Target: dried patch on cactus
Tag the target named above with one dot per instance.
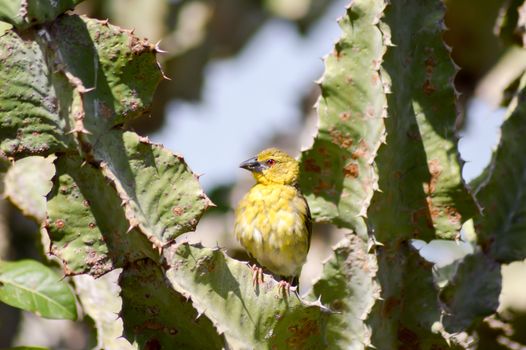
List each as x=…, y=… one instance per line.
x=59, y=224
x=345, y=116
x=322, y=186
x=361, y=151
x=342, y=139
x=428, y=87
x=311, y=166
x=301, y=332
x=178, y=211
x=453, y=215
x=351, y=170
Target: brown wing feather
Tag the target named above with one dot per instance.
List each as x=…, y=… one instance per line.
x=308, y=221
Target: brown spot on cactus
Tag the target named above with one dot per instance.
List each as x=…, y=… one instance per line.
x=177, y=211
x=311, y=166
x=434, y=211
x=361, y=151
x=430, y=62
x=323, y=151
x=345, y=116
x=351, y=170
x=453, y=215
x=337, y=51
x=301, y=333
x=139, y=46
x=428, y=87
x=92, y=225
x=341, y=139
x=321, y=186
x=435, y=169
x=59, y=224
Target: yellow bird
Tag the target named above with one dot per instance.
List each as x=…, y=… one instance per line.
x=273, y=221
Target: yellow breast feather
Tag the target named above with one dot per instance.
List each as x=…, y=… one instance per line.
x=273, y=220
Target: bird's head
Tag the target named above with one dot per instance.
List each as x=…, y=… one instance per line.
x=273, y=166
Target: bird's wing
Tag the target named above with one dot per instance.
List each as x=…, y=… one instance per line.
x=308, y=222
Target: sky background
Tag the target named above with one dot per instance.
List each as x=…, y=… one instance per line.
x=247, y=99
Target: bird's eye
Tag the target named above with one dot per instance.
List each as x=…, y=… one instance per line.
x=270, y=162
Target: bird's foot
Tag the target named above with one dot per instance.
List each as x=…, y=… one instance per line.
x=257, y=275
x=284, y=288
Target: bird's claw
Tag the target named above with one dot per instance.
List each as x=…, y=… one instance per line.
x=284, y=288
x=257, y=275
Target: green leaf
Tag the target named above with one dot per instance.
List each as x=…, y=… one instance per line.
x=27, y=183
x=29, y=285
x=157, y=317
x=25, y=13
x=338, y=177
x=255, y=317
x=501, y=229
x=86, y=223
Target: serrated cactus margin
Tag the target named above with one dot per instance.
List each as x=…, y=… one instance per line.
x=23, y=14
x=250, y=317
x=351, y=110
x=161, y=196
x=500, y=230
x=419, y=167
x=500, y=189
x=156, y=316
x=422, y=194
x=348, y=288
x=351, y=128
x=86, y=223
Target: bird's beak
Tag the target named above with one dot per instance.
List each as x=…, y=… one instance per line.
x=252, y=164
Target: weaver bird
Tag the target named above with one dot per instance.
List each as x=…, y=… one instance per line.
x=273, y=221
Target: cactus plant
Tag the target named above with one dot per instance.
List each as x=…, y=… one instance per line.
x=384, y=166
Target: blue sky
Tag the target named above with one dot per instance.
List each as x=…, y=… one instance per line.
x=249, y=98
